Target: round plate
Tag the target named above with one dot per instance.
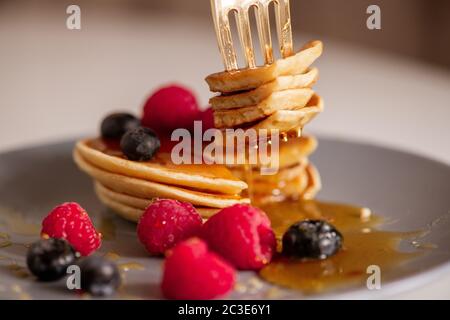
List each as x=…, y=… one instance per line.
x=409, y=190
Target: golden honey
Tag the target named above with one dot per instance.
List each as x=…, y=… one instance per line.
x=163, y=158
x=364, y=245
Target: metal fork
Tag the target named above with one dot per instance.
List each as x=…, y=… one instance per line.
x=221, y=11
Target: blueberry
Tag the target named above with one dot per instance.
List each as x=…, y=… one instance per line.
x=116, y=125
x=140, y=144
x=99, y=276
x=313, y=239
x=48, y=259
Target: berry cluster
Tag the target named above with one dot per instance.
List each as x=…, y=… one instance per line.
x=236, y=237
x=68, y=234
x=167, y=109
x=201, y=259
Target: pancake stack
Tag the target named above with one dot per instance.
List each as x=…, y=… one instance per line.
x=128, y=187
x=274, y=97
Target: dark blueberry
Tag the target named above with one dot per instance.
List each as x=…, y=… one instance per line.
x=99, y=276
x=313, y=239
x=48, y=259
x=140, y=144
x=116, y=125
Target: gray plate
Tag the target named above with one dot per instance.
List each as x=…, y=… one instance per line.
x=412, y=191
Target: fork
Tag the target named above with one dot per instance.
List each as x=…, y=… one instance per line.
x=221, y=12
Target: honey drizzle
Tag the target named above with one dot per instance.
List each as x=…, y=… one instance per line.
x=364, y=245
x=4, y=240
x=131, y=266
x=248, y=173
x=107, y=228
x=16, y=223
x=111, y=255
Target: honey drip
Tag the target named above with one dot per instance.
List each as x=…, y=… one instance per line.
x=364, y=245
x=107, y=228
x=248, y=172
x=4, y=240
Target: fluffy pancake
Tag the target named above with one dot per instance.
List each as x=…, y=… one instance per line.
x=256, y=96
x=304, y=187
x=291, y=153
x=149, y=190
x=247, y=79
x=294, y=187
x=131, y=208
x=126, y=212
x=216, y=178
x=284, y=174
x=290, y=120
x=314, y=183
x=295, y=150
x=135, y=202
x=281, y=100
x=283, y=121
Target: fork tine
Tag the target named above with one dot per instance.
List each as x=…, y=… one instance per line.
x=220, y=12
x=265, y=38
x=229, y=54
x=245, y=36
x=223, y=33
x=283, y=19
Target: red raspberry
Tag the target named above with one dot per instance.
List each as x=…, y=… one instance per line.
x=71, y=222
x=207, y=119
x=191, y=272
x=167, y=222
x=170, y=108
x=241, y=234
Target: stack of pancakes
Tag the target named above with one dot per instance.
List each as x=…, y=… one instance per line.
x=128, y=187
x=274, y=97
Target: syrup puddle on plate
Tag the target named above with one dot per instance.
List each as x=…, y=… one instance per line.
x=5, y=240
x=113, y=256
x=364, y=245
x=18, y=271
x=107, y=228
x=130, y=266
x=16, y=223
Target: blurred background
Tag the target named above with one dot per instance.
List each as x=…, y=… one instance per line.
x=388, y=86
x=416, y=28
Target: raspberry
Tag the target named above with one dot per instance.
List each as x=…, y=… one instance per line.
x=191, y=272
x=71, y=222
x=170, y=108
x=241, y=234
x=207, y=119
x=167, y=222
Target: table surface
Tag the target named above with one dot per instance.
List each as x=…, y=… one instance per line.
x=57, y=84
